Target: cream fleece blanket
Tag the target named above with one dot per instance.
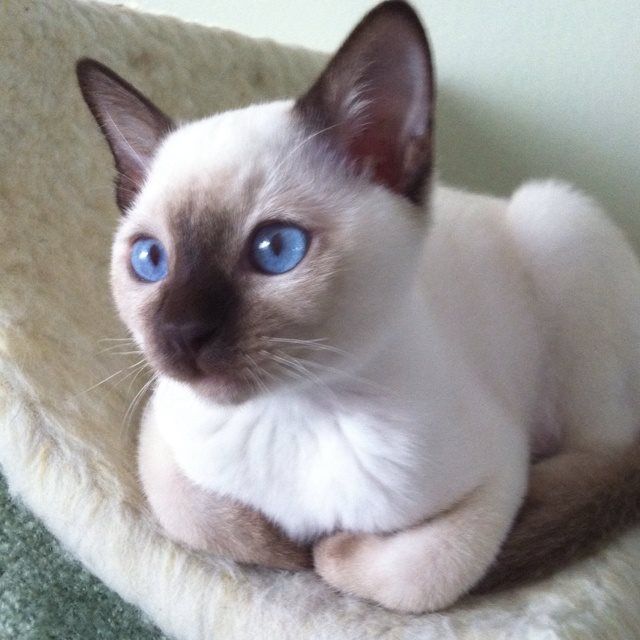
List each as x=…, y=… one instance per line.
x=66, y=446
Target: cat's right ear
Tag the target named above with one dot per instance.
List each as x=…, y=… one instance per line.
x=131, y=123
x=374, y=102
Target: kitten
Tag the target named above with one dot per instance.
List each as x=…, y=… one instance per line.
x=354, y=358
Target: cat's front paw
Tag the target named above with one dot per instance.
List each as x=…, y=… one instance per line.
x=351, y=564
x=338, y=560
x=386, y=569
x=335, y=555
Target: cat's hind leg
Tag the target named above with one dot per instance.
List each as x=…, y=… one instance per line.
x=431, y=565
x=205, y=521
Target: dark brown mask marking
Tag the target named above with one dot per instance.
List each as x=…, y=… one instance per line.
x=194, y=322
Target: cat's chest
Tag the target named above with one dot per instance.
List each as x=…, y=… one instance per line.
x=308, y=468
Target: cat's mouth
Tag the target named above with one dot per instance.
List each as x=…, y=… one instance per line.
x=226, y=372
x=224, y=386
x=222, y=378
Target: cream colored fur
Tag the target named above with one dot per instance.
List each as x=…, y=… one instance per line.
x=65, y=449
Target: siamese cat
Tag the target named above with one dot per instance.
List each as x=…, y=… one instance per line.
x=358, y=366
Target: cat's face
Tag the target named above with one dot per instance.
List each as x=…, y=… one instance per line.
x=273, y=245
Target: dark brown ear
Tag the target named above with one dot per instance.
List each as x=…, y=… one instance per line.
x=374, y=102
x=132, y=125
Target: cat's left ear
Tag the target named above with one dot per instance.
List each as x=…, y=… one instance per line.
x=374, y=102
x=131, y=123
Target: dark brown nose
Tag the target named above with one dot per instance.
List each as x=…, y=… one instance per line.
x=187, y=339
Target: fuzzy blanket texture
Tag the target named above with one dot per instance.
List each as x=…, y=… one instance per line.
x=67, y=443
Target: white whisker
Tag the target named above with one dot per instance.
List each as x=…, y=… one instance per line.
x=304, y=373
x=134, y=403
x=317, y=343
x=113, y=375
x=143, y=367
x=111, y=352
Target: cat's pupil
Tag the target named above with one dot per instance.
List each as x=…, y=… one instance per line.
x=154, y=254
x=276, y=243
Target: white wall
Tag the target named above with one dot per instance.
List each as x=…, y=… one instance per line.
x=527, y=89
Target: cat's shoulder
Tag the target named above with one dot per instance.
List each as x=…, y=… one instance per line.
x=448, y=202
x=532, y=199
x=551, y=212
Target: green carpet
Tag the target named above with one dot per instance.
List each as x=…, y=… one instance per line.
x=46, y=595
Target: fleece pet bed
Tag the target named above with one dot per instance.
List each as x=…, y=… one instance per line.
x=67, y=443
x=46, y=594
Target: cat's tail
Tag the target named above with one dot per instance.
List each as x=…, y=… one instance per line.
x=569, y=523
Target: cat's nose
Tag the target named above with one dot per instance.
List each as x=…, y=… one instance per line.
x=187, y=339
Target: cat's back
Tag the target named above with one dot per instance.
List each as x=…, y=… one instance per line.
x=479, y=292
x=547, y=232
x=586, y=280
x=541, y=287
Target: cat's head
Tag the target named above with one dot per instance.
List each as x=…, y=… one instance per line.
x=275, y=244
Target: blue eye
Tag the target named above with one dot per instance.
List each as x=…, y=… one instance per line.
x=278, y=248
x=149, y=259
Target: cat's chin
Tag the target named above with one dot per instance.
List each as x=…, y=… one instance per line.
x=222, y=389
